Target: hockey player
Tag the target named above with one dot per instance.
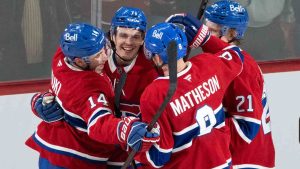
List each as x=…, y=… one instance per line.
x=245, y=101
x=189, y=138
x=89, y=133
x=127, y=34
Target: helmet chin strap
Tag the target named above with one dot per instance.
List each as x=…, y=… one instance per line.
x=126, y=62
x=123, y=59
x=232, y=40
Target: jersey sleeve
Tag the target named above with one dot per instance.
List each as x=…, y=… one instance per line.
x=96, y=111
x=160, y=153
x=244, y=100
x=101, y=122
x=214, y=45
x=227, y=63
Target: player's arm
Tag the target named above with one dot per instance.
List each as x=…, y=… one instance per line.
x=104, y=127
x=198, y=34
x=101, y=123
x=245, y=105
x=245, y=120
x=159, y=154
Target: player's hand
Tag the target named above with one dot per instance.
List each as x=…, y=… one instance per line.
x=47, y=108
x=135, y=134
x=197, y=33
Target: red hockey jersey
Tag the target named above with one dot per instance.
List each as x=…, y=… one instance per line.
x=188, y=126
x=140, y=73
x=246, y=106
x=86, y=138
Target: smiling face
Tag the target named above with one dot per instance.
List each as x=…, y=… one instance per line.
x=127, y=42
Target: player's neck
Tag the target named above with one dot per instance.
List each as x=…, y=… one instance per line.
x=181, y=65
x=121, y=61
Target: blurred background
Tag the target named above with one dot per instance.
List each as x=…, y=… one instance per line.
x=30, y=29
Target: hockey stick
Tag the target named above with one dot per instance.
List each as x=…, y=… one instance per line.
x=118, y=91
x=201, y=9
x=172, y=65
x=199, y=16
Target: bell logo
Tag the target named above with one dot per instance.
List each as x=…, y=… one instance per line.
x=69, y=37
x=239, y=8
x=157, y=35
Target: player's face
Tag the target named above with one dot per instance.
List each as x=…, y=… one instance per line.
x=128, y=42
x=98, y=60
x=215, y=30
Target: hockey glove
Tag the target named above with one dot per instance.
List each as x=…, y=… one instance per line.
x=47, y=108
x=135, y=135
x=197, y=33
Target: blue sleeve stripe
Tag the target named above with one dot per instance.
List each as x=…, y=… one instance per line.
x=76, y=122
x=80, y=124
x=239, y=52
x=220, y=116
x=98, y=112
x=246, y=129
x=158, y=158
x=180, y=140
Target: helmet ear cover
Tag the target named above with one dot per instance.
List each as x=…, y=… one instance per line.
x=230, y=15
x=81, y=40
x=159, y=36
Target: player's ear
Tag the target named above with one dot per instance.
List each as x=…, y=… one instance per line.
x=232, y=33
x=79, y=62
x=157, y=60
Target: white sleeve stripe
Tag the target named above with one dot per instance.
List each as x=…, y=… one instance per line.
x=161, y=149
x=241, y=166
x=185, y=146
x=64, y=149
x=249, y=119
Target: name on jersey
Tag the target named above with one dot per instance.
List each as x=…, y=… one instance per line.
x=195, y=96
x=55, y=84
